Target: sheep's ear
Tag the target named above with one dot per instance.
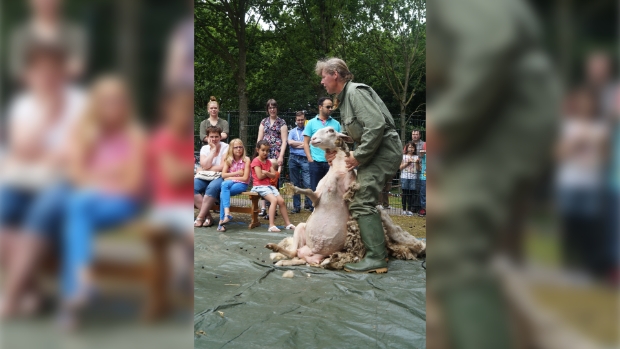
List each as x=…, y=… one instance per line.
x=345, y=138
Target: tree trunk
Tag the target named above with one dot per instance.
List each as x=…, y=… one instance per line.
x=242, y=92
x=127, y=54
x=403, y=121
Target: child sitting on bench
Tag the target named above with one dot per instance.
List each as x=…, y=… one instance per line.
x=262, y=172
x=236, y=175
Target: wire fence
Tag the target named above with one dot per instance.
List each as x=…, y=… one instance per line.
x=391, y=196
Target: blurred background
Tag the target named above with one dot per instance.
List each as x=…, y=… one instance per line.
x=522, y=126
x=96, y=108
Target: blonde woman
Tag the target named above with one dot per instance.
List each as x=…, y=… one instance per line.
x=236, y=174
x=107, y=169
x=213, y=108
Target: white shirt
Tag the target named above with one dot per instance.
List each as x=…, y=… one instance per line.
x=26, y=113
x=205, y=150
x=409, y=171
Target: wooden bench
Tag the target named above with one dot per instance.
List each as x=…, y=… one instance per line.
x=253, y=210
x=152, y=272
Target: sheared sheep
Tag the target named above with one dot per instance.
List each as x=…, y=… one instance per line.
x=323, y=236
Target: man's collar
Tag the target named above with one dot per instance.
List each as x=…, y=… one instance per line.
x=340, y=96
x=318, y=116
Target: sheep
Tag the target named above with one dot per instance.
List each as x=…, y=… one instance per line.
x=330, y=243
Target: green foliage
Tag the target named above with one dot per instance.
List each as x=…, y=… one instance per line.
x=285, y=38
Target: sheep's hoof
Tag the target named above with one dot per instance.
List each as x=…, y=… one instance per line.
x=273, y=247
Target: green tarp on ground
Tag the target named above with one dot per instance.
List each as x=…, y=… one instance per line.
x=241, y=299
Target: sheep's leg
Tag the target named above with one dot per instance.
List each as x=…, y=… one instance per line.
x=310, y=194
x=298, y=240
x=292, y=262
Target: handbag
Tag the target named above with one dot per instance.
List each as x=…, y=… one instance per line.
x=208, y=175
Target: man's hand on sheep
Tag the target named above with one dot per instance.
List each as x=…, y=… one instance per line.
x=330, y=155
x=350, y=161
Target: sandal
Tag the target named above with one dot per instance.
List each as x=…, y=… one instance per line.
x=290, y=226
x=208, y=222
x=273, y=229
x=226, y=219
x=198, y=222
x=221, y=228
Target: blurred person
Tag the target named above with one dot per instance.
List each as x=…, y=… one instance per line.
x=377, y=156
x=180, y=61
x=47, y=25
x=206, y=192
x=171, y=160
x=298, y=162
x=262, y=172
x=422, y=181
x=273, y=129
x=419, y=144
x=236, y=175
x=33, y=184
x=213, y=108
x=108, y=171
x=491, y=121
x=599, y=80
x=317, y=164
x=581, y=156
x=408, y=173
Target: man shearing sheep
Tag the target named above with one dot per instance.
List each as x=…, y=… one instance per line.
x=377, y=157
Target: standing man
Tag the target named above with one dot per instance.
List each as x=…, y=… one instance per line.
x=377, y=157
x=419, y=145
x=298, y=162
x=316, y=157
x=481, y=167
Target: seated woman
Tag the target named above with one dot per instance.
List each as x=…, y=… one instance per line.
x=107, y=170
x=262, y=172
x=236, y=175
x=205, y=192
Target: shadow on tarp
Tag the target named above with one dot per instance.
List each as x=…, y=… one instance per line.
x=241, y=299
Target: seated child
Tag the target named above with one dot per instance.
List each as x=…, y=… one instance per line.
x=262, y=172
x=236, y=175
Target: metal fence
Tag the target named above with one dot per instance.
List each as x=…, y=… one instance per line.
x=394, y=195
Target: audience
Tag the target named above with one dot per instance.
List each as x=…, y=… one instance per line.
x=408, y=174
x=273, y=130
x=34, y=186
x=206, y=192
x=213, y=108
x=262, y=172
x=298, y=162
x=236, y=175
x=171, y=160
x=107, y=167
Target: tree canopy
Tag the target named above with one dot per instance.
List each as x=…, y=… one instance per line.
x=248, y=51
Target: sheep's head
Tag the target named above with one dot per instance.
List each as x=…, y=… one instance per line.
x=328, y=139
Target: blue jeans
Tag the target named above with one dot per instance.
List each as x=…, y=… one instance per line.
x=89, y=212
x=318, y=170
x=228, y=189
x=300, y=176
x=423, y=193
x=211, y=188
x=40, y=213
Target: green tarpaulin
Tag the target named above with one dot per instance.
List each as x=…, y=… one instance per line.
x=241, y=299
